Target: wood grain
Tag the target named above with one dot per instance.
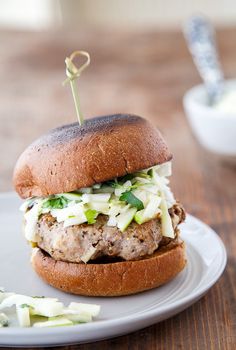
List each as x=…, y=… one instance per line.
x=145, y=73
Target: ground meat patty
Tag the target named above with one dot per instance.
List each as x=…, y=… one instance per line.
x=87, y=242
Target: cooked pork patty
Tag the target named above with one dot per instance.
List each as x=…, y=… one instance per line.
x=80, y=243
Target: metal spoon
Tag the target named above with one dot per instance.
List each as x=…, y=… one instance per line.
x=200, y=37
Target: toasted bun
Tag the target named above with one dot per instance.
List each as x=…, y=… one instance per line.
x=73, y=156
x=112, y=279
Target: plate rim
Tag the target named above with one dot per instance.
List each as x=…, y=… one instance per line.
x=124, y=320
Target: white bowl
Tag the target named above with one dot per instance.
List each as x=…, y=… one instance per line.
x=215, y=130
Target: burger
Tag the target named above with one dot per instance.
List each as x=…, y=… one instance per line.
x=98, y=209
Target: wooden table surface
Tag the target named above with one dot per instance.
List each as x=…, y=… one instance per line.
x=145, y=73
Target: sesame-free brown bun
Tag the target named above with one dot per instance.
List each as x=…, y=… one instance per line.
x=73, y=156
x=112, y=279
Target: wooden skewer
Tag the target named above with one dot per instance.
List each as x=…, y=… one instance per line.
x=73, y=73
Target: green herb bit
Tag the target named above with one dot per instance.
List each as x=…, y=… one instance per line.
x=150, y=172
x=112, y=183
x=25, y=305
x=131, y=199
x=55, y=203
x=125, y=178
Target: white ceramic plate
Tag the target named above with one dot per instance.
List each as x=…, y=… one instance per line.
x=206, y=262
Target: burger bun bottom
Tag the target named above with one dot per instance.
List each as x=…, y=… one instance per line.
x=113, y=278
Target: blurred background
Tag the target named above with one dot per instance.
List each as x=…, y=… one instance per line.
x=44, y=14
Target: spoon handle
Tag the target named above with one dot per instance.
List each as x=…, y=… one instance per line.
x=200, y=38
